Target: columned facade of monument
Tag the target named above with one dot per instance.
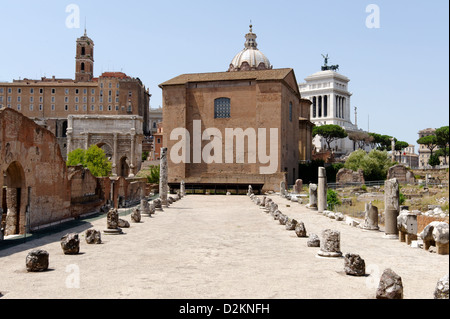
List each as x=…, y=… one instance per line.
x=119, y=136
x=330, y=105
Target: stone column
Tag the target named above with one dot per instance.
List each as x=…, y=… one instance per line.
x=392, y=208
x=69, y=141
x=163, y=180
x=282, y=188
x=114, y=157
x=322, y=191
x=86, y=141
x=313, y=196
x=132, y=155
x=182, y=189
x=298, y=186
x=330, y=244
x=371, y=219
x=12, y=213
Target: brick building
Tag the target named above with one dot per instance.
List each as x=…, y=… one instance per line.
x=50, y=101
x=258, y=107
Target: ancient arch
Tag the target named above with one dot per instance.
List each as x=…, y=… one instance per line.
x=124, y=167
x=33, y=175
x=109, y=152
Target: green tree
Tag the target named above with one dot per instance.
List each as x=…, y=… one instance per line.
x=330, y=133
x=332, y=199
x=434, y=160
x=93, y=159
x=360, y=138
x=442, y=141
x=153, y=176
x=429, y=141
x=374, y=164
x=76, y=157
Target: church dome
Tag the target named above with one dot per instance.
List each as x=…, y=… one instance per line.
x=250, y=58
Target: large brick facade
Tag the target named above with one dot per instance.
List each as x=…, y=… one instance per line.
x=264, y=99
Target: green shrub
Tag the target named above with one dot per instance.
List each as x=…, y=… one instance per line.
x=332, y=199
x=153, y=176
x=93, y=159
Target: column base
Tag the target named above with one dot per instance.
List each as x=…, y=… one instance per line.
x=117, y=231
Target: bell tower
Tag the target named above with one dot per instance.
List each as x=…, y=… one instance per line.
x=84, y=68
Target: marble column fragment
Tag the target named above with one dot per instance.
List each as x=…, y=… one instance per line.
x=330, y=244
x=182, y=189
x=322, y=191
x=371, y=219
x=392, y=207
x=313, y=196
x=163, y=180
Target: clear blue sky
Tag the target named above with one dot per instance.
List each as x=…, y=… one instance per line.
x=399, y=72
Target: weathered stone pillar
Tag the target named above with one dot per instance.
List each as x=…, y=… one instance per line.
x=282, y=188
x=114, y=157
x=163, y=180
x=112, y=223
x=298, y=186
x=12, y=212
x=392, y=208
x=313, y=196
x=330, y=244
x=371, y=219
x=322, y=191
x=182, y=189
x=86, y=141
x=132, y=155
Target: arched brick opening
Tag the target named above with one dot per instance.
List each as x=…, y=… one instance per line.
x=14, y=200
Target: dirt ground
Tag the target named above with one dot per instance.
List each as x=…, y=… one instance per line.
x=217, y=247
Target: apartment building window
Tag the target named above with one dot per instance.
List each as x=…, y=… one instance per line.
x=19, y=91
x=77, y=99
x=53, y=107
x=18, y=99
x=85, y=91
x=76, y=107
x=19, y=107
x=31, y=99
x=109, y=108
x=41, y=99
x=53, y=91
x=222, y=108
x=9, y=90
x=41, y=91
x=31, y=107
x=67, y=91
x=66, y=107
x=1, y=90
x=93, y=99
x=100, y=107
x=53, y=99
x=92, y=107
x=66, y=99
x=41, y=107
x=31, y=91
x=117, y=107
x=93, y=91
x=1, y=99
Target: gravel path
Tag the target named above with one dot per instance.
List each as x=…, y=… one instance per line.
x=217, y=247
